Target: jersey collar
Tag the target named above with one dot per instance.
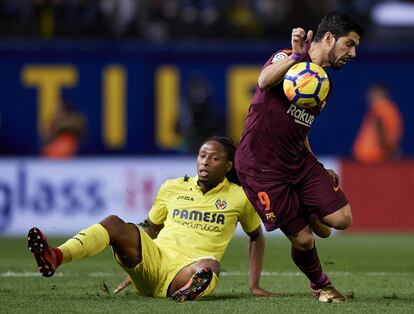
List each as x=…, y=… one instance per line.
x=193, y=181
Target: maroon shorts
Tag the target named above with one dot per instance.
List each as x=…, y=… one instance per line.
x=287, y=205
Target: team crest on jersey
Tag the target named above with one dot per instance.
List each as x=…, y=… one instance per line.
x=221, y=204
x=279, y=57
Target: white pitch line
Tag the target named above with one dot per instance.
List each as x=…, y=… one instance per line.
x=333, y=273
x=12, y=274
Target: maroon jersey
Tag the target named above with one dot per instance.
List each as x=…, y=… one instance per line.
x=273, y=141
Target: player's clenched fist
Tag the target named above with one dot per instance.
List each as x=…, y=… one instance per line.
x=300, y=43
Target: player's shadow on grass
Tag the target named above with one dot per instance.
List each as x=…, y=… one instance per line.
x=388, y=299
x=229, y=296
x=233, y=296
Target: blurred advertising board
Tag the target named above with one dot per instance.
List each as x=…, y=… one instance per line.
x=381, y=196
x=63, y=197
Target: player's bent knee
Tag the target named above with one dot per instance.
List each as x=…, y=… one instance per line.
x=306, y=245
x=188, y=271
x=113, y=224
x=303, y=240
x=112, y=220
x=210, y=263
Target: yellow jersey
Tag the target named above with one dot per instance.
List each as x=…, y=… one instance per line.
x=200, y=225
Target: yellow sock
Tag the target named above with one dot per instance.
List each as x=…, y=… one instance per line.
x=87, y=242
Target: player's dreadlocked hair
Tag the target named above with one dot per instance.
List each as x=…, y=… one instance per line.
x=230, y=149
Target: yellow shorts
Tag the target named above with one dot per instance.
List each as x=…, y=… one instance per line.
x=159, y=266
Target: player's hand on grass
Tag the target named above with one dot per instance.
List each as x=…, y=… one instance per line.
x=123, y=285
x=259, y=292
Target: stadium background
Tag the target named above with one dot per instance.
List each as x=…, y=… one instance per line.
x=128, y=66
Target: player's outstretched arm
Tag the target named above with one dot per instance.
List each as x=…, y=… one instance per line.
x=274, y=73
x=256, y=253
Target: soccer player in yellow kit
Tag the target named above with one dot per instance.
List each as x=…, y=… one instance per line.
x=192, y=221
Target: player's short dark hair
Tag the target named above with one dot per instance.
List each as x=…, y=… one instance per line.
x=339, y=24
x=230, y=149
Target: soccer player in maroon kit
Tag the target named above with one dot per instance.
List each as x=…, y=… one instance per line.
x=280, y=175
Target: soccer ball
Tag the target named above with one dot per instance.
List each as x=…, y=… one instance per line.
x=306, y=84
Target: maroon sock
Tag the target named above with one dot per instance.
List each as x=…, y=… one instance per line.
x=308, y=263
x=59, y=256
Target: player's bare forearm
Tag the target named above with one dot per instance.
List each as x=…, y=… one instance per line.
x=150, y=228
x=274, y=73
x=256, y=253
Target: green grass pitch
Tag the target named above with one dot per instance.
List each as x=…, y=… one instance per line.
x=375, y=271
